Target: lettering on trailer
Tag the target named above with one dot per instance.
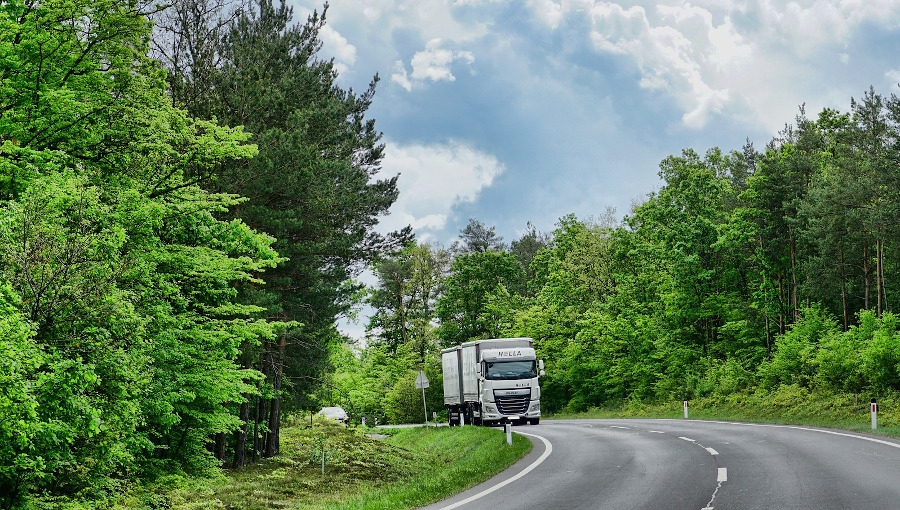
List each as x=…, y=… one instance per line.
x=509, y=354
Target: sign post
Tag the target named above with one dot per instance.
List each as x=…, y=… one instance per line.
x=422, y=382
x=874, y=414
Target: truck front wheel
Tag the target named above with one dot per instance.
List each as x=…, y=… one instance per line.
x=535, y=421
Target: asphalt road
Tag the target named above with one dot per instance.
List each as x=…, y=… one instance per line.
x=692, y=465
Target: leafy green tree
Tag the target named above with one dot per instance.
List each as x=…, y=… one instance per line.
x=114, y=258
x=473, y=277
x=774, y=195
x=404, y=299
x=26, y=438
x=526, y=247
x=683, y=221
x=315, y=184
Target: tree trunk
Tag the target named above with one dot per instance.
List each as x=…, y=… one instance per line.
x=273, y=445
x=878, y=273
x=844, y=292
x=257, y=437
x=866, y=276
x=220, y=447
x=794, y=292
x=882, y=284
x=782, y=302
x=240, y=437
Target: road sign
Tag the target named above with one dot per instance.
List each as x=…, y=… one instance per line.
x=421, y=381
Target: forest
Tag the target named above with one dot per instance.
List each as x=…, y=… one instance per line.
x=188, y=198
x=185, y=195
x=747, y=271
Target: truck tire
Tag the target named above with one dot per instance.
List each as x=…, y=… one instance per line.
x=470, y=415
x=535, y=421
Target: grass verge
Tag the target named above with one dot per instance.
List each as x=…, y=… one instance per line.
x=786, y=405
x=410, y=468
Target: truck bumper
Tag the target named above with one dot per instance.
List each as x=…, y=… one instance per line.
x=490, y=413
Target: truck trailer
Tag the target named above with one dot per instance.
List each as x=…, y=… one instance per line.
x=492, y=381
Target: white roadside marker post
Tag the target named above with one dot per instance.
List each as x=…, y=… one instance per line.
x=508, y=427
x=685, y=409
x=874, y=414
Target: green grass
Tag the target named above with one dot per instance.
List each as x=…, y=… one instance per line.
x=788, y=405
x=411, y=468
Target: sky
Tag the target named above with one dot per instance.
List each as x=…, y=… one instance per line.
x=518, y=111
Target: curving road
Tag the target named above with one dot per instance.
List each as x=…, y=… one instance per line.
x=692, y=465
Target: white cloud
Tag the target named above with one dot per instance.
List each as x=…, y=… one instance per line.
x=675, y=54
x=432, y=64
x=893, y=76
x=716, y=57
x=429, y=18
x=400, y=76
x=433, y=179
x=548, y=11
x=337, y=46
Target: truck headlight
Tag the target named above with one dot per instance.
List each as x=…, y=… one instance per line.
x=535, y=407
x=488, y=408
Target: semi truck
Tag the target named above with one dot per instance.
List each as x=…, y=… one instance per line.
x=492, y=381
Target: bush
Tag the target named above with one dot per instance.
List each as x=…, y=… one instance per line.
x=403, y=402
x=794, y=357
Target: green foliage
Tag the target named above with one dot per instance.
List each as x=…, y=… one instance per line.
x=718, y=377
x=403, y=401
x=118, y=280
x=24, y=436
x=404, y=299
x=794, y=360
x=474, y=276
x=379, y=384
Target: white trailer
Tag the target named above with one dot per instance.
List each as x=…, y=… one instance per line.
x=492, y=381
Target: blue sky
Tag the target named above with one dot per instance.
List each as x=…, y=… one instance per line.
x=512, y=111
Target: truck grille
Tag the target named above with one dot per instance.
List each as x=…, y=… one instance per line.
x=513, y=404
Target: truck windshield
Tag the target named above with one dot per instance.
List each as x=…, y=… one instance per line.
x=511, y=370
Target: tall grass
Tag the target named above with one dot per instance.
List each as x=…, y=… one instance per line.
x=409, y=468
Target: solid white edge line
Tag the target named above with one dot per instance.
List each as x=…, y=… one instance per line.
x=843, y=434
x=548, y=448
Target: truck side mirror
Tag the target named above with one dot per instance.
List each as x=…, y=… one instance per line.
x=541, y=367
